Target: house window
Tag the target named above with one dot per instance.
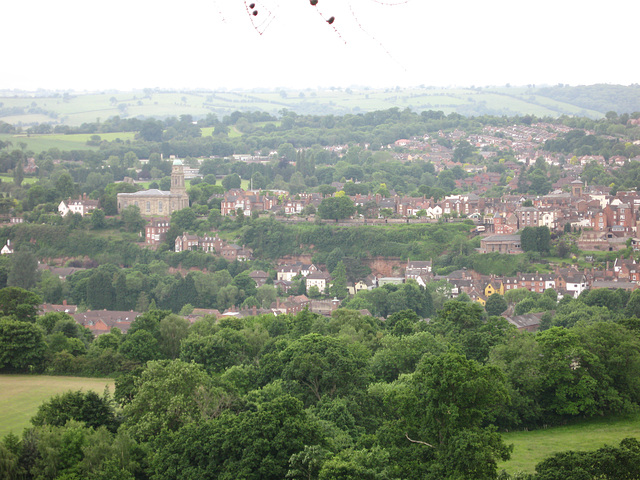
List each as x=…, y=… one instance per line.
x=148, y=206
x=160, y=206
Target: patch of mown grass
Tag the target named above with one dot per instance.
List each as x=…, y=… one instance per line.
x=21, y=395
x=531, y=447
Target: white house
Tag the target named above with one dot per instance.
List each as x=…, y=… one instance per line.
x=7, y=249
x=81, y=205
x=63, y=209
x=318, y=279
x=434, y=212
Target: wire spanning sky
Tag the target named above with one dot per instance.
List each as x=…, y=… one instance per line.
x=79, y=45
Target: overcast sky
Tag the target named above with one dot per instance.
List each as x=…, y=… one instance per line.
x=125, y=44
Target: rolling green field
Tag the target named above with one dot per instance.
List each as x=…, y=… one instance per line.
x=9, y=179
x=41, y=143
x=532, y=447
x=233, y=132
x=21, y=395
x=91, y=107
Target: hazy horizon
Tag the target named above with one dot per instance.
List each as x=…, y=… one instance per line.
x=381, y=44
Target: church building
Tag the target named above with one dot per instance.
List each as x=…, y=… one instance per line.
x=159, y=202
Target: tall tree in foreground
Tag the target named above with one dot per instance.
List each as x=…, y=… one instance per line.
x=448, y=405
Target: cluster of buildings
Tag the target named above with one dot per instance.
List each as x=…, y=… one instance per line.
x=253, y=201
x=81, y=205
x=159, y=202
x=313, y=276
x=214, y=245
x=570, y=281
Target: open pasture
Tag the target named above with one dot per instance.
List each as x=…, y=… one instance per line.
x=21, y=395
x=531, y=447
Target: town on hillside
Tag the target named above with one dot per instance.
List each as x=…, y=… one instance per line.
x=380, y=295
x=539, y=187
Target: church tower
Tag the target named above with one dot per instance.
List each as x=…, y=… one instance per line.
x=577, y=188
x=177, y=178
x=179, y=196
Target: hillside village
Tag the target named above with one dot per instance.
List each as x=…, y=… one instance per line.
x=606, y=220
x=343, y=277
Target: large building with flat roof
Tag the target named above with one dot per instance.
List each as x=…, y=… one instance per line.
x=159, y=202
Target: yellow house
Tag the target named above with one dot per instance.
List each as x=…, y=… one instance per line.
x=495, y=287
x=355, y=288
x=475, y=296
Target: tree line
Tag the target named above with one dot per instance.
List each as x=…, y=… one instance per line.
x=306, y=396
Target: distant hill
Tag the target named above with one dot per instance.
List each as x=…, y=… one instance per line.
x=603, y=98
x=70, y=108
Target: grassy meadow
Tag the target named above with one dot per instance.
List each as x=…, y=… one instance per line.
x=530, y=448
x=8, y=178
x=90, y=107
x=41, y=143
x=21, y=395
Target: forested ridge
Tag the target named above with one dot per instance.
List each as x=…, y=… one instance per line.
x=306, y=396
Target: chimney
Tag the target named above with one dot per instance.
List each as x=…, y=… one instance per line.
x=254, y=310
x=64, y=302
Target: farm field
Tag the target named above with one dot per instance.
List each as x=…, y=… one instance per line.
x=530, y=448
x=8, y=178
x=41, y=143
x=91, y=107
x=21, y=395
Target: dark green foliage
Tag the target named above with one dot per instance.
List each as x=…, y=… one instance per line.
x=607, y=463
x=76, y=451
x=255, y=444
x=535, y=239
x=496, y=304
x=464, y=324
x=23, y=273
x=231, y=181
x=215, y=352
x=132, y=219
x=98, y=219
x=169, y=394
x=398, y=355
x=149, y=321
x=587, y=370
x=353, y=464
x=323, y=366
x=613, y=300
x=100, y=291
x=338, y=288
x=447, y=404
x=22, y=346
x=390, y=299
x=336, y=208
x=140, y=346
x=19, y=303
x=89, y=408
